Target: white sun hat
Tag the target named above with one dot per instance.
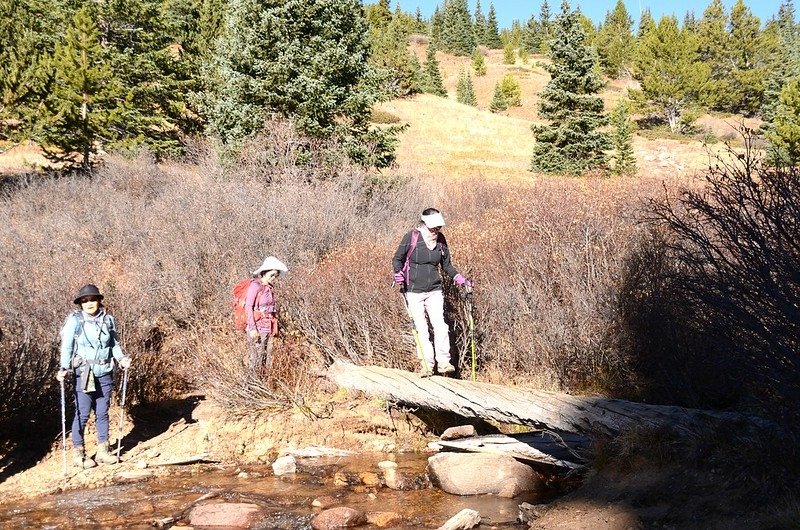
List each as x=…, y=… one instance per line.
x=271, y=264
x=433, y=220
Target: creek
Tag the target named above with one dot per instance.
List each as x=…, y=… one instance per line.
x=285, y=502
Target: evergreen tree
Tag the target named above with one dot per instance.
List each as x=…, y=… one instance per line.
x=431, y=74
x=690, y=23
x=532, y=35
x=492, y=35
x=390, y=56
x=456, y=37
x=714, y=50
x=211, y=24
x=379, y=14
x=573, y=142
x=749, y=55
x=139, y=39
x=785, y=134
x=479, y=28
x=437, y=26
x=478, y=63
x=27, y=38
x=508, y=54
x=545, y=23
x=511, y=91
x=419, y=23
x=615, y=43
x=646, y=23
x=622, y=140
x=84, y=108
x=499, y=102
x=669, y=71
x=781, y=35
x=303, y=59
x=465, y=93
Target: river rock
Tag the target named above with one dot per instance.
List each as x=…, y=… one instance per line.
x=230, y=514
x=383, y=519
x=463, y=520
x=326, y=501
x=369, y=478
x=341, y=517
x=454, y=433
x=284, y=465
x=479, y=474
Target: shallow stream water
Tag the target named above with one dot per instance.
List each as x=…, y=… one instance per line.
x=285, y=502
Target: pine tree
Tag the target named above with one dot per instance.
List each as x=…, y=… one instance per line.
x=478, y=63
x=508, y=54
x=622, y=140
x=492, y=35
x=669, y=71
x=545, y=24
x=714, y=50
x=84, y=108
x=26, y=40
x=615, y=41
x=532, y=35
x=499, y=102
x=391, y=57
x=465, y=93
x=306, y=60
x=479, y=27
x=379, y=14
x=419, y=23
x=456, y=37
x=690, y=23
x=139, y=38
x=785, y=135
x=781, y=35
x=749, y=55
x=437, y=27
x=646, y=23
x=573, y=142
x=512, y=92
x=211, y=24
x=432, y=75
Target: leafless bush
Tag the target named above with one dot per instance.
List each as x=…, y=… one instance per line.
x=166, y=243
x=727, y=263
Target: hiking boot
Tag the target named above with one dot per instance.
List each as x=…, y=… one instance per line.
x=104, y=456
x=79, y=459
x=424, y=372
x=447, y=368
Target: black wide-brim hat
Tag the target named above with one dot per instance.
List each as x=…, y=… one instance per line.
x=88, y=290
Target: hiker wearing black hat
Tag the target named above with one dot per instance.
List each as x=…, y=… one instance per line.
x=416, y=269
x=89, y=346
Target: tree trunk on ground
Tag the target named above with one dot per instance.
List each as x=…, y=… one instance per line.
x=524, y=406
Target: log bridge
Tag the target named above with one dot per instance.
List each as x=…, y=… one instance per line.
x=538, y=409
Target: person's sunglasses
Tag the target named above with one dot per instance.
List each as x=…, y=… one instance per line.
x=90, y=299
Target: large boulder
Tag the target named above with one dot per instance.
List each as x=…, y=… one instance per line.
x=482, y=473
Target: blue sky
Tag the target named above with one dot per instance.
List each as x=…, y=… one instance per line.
x=508, y=10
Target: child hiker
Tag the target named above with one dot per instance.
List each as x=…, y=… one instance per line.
x=416, y=269
x=89, y=346
x=259, y=306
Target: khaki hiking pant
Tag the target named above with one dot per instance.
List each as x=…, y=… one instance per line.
x=431, y=303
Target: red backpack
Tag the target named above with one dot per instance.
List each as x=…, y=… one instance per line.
x=239, y=297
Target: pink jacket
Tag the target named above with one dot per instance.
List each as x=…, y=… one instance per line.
x=259, y=303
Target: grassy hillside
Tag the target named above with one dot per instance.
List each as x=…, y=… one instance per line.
x=447, y=139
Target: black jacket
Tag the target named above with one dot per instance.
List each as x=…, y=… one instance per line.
x=423, y=264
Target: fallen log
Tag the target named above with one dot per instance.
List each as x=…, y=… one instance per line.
x=540, y=447
x=538, y=409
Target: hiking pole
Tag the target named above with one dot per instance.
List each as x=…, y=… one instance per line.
x=64, y=426
x=417, y=342
x=471, y=321
x=122, y=410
